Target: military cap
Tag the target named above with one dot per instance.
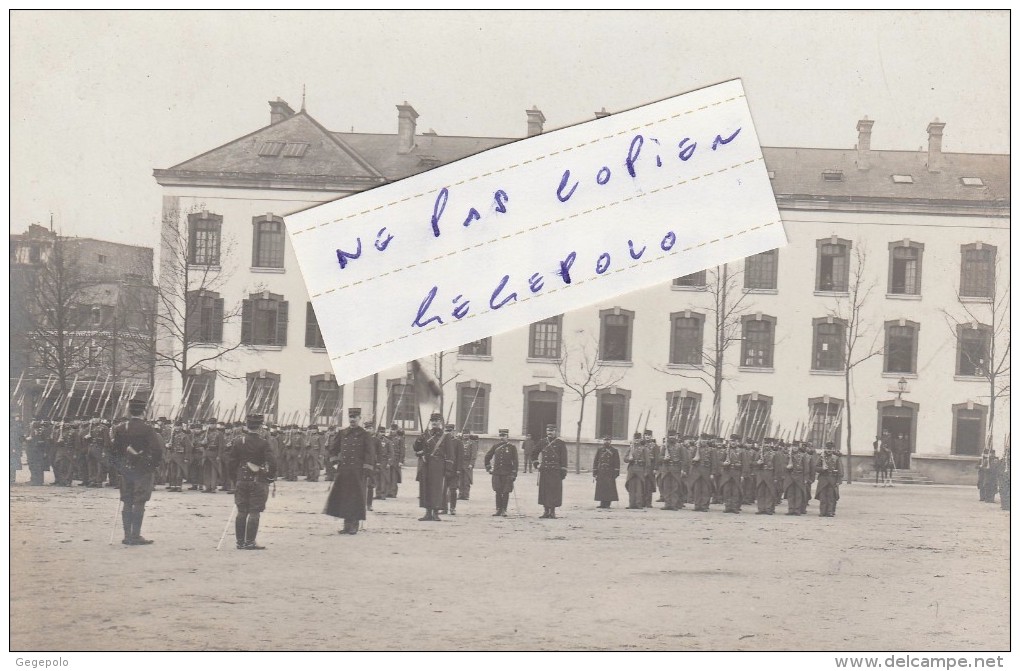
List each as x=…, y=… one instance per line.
x=504, y=432
x=473, y=436
x=254, y=421
x=162, y=420
x=637, y=435
x=368, y=425
x=734, y=436
x=354, y=412
x=436, y=417
x=393, y=426
x=830, y=444
x=136, y=405
x=550, y=427
x=211, y=420
x=648, y=433
x=450, y=427
x=313, y=427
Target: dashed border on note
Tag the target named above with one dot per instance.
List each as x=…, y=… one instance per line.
x=519, y=164
x=576, y=283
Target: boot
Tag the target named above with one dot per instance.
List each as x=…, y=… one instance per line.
x=427, y=517
x=240, y=523
x=552, y=513
x=435, y=515
x=353, y=529
x=251, y=531
x=136, y=528
x=453, y=503
x=125, y=516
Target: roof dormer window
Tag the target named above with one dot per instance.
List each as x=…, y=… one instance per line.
x=832, y=175
x=902, y=179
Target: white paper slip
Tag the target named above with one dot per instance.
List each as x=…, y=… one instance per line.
x=536, y=228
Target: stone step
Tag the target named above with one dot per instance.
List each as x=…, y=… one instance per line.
x=910, y=477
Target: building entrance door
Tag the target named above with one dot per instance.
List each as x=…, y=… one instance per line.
x=900, y=423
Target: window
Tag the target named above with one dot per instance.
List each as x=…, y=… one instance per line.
x=825, y=420
x=683, y=412
x=902, y=179
x=327, y=399
x=93, y=354
x=833, y=264
x=199, y=394
x=830, y=336
x=901, y=347
x=402, y=404
x=204, y=317
x=972, y=181
x=760, y=270
x=544, y=342
x=263, y=396
x=473, y=407
x=313, y=336
x=295, y=149
x=614, y=342
x=611, y=410
x=481, y=347
x=977, y=270
x=269, y=148
x=102, y=258
x=204, y=239
x=693, y=280
x=969, y=428
x=686, y=338
x=832, y=175
x=34, y=253
x=758, y=341
x=267, y=249
x=96, y=316
x=905, y=267
x=264, y=320
x=972, y=345
x=754, y=415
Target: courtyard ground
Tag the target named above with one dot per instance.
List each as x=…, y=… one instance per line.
x=903, y=568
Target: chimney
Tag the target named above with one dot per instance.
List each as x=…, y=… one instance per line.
x=405, y=128
x=864, y=143
x=601, y=115
x=279, y=110
x=535, y=121
x=935, y=145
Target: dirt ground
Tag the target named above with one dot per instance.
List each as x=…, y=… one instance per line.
x=903, y=568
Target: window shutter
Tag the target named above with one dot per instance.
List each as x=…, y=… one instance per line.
x=281, y=323
x=246, y=317
x=310, y=326
x=192, y=317
x=217, y=325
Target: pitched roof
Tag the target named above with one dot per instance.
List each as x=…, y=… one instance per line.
x=800, y=172
x=428, y=151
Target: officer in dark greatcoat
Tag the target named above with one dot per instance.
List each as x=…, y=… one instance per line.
x=436, y=456
x=136, y=454
x=352, y=452
x=605, y=468
x=253, y=462
x=501, y=462
x=550, y=460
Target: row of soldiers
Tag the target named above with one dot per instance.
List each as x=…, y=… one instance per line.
x=75, y=450
x=994, y=477
x=736, y=472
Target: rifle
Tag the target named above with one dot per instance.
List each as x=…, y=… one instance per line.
x=18, y=385
x=637, y=427
x=467, y=420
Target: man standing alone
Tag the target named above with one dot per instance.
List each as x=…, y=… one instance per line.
x=353, y=455
x=137, y=453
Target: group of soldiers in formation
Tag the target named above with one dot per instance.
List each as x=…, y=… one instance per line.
x=364, y=463
x=993, y=477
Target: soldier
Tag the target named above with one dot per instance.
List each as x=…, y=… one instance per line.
x=1004, y=479
x=63, y=454
x=181, y=450
x=17, y=435
x=273, y=439
x=637, y=461
x=794, y=481
x=673, y=466
x=223, y=440
x=830, y=475
x=383, y=469
x=136, y=453
x=699, y=475
x=809, y=476
x=501, y=462
x=765, y=487
x=729, y=473
x=552, y=469
x=526, y=449
x=398, y=454
x=252, y=461
x=451, y=476
x=313, y=453
x=35, y=448
x=469, y=454
x=80, y=448
x=95, y=446
x=748, y=479
x=987, y=470
x=435, y=456
x=352, y=454
x=605, y=468
x=109, y=471
x=652, y=475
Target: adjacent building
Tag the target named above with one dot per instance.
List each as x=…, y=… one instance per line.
x=908, y=251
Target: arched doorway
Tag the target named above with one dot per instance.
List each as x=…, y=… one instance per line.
x=897, y=424
x=541, y=407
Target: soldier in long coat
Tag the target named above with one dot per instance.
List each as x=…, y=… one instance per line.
x=95, y=445
x=313, y=453
x=35, y=452
x=397, y=456
x=638, y=462
x=435, y=456
x=468, y=456
x=830, y=474
x=453, y=470
x=180, y=448
x=673, y=465
x=794, y=481
x=653, y=474
x=987, y=481
x=501, y=462
x=765, y=472
x=729, y=472
x=605, y=468
x=809, y=476
x=752, y=451
x=212, y=444
x=550, y=459
x=381, y=473
x=699, y=477
x=353, y=453
x=137, y=452
x=251, y=459
x=63, y=453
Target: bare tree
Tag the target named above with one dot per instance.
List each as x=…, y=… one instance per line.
x=189, y=282
x=980, y=330
x=858, y=343
x=54, y=301
x=443, y=375
x=727, y=302
x=584, y=373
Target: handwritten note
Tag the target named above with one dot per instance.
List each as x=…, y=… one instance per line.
x=536, y=228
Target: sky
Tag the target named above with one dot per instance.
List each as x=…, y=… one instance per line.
x=100, y=99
